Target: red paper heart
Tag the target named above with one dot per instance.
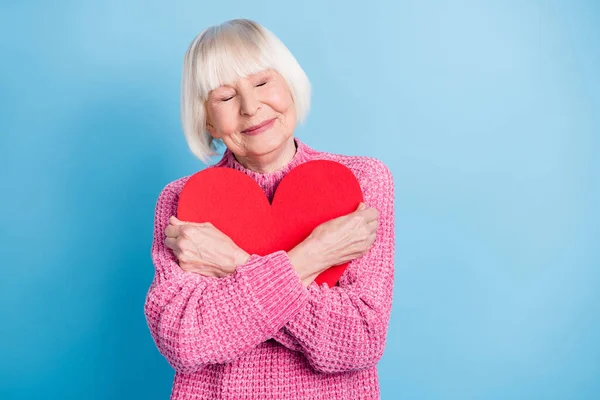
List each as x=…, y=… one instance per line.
x=310, y=194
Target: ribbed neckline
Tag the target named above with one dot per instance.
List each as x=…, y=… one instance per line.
x=302, y=155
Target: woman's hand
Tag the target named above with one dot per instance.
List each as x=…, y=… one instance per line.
x=335, y=242
x=203, y=249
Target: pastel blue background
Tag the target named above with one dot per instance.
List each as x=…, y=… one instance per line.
x=487, y=114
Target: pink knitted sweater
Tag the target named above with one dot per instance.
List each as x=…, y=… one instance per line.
x=259, y=333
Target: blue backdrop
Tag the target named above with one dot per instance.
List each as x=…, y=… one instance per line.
x=487, y=113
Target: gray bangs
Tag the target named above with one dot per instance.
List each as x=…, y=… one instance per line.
x=228, y=53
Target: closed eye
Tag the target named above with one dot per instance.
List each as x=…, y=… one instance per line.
x=261, y=84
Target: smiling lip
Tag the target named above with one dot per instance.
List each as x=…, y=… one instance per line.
x=256, y=129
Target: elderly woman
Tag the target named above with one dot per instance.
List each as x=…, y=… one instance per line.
x=235, y=325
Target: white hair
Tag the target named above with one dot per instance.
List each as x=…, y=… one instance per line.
x=222, y=54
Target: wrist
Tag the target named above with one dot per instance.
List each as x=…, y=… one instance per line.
x=306, y=259
x=240, y=258
x=309, y=279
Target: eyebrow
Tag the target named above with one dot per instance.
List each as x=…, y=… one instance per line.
x=262, y=73
x=257, y=75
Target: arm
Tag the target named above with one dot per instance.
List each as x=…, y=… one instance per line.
x=344, y=328
x=197, y=320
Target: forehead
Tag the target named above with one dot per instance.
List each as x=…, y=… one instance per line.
x=256, y=75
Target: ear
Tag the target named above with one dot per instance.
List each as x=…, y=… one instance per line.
x=209, y=126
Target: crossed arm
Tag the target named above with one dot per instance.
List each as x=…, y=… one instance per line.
x=197, y=320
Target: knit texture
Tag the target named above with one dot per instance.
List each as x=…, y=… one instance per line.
x=259, y=333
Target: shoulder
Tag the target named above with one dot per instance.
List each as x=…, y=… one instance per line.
x=374, y=177
x=174, y=187
x=371, y=172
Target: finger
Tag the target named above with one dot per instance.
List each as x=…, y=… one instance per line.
x=170, y=242
x=369, y=213
x=176, y=221
x=373, y=225
x=206, y=272
x=201, y=270
x=361, y=208
x=172, y=230
x=213, y=273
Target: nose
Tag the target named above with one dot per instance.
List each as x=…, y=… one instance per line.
x=249, y=102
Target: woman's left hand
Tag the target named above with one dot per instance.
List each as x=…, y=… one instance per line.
x=203, y=249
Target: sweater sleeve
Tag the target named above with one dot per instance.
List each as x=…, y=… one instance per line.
x=344, y=328
x=197, y=320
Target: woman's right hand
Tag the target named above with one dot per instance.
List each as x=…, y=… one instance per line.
x=336, y=242
x=347, y=237
x=203, y=249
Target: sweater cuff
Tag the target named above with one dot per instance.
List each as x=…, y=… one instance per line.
x=279, y=293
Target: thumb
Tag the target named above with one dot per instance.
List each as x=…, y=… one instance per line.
x=361, y=206
x=173, y=219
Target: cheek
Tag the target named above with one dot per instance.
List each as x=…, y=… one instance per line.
x=224, y=119
x=285, y=106
x=281, y=100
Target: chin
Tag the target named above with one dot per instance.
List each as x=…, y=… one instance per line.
x=267, y=142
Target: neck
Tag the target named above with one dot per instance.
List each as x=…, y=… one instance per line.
x=271, y=161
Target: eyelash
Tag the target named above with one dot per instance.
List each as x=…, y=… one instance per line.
x=259, y=85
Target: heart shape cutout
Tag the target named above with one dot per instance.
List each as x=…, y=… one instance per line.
x=310, y=194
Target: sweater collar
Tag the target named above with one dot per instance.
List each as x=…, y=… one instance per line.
x=303, y=154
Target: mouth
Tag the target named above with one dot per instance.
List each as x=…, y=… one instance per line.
x=260, y=127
